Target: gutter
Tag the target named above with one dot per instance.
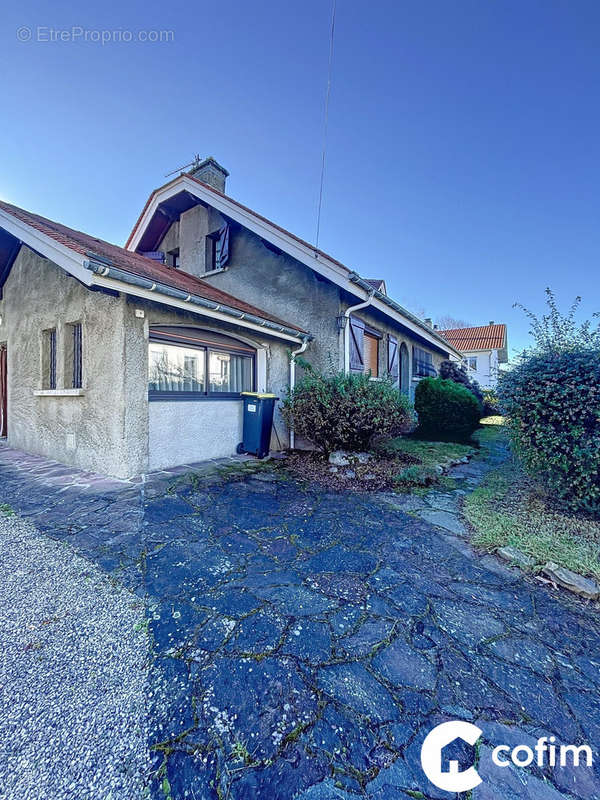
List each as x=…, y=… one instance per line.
x=295, y=353
x=105, y=269
x=347, y=314
x=383, y=298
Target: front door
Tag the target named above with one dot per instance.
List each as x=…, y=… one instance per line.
x=3, y=391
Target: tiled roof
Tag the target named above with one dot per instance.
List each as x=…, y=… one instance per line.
x=484, y=337
x=135, y=263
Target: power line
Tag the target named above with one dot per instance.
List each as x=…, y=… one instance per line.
x=326, y=121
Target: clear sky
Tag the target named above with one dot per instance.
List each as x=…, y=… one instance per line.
x=463, y=159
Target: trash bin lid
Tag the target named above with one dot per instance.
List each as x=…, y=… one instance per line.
x=264, y=395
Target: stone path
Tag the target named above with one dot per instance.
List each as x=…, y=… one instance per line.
x=305, y=642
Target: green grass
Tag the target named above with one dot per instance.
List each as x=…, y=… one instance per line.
x=429, y=453
x=508, y=509
x=6, y=510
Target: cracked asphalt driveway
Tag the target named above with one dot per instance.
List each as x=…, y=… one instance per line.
x=305, y=642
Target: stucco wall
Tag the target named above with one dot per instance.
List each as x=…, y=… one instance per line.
x=185, y=432
x=91, y=431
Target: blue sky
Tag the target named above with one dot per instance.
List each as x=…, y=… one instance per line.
x=464, y=137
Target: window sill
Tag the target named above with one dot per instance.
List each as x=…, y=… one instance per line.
x=59, y=392
x=213, y=272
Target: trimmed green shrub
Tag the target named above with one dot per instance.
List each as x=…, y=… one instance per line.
x=552, y=402
x=456, y=372
x=345, y=412
x=446, y=409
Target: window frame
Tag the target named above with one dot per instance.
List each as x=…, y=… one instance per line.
x=246, y=351
x=417, y=373
x=74, y=355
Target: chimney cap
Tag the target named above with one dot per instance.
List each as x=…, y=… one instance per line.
x=492, y=322
x=428, y=321
x=208, y=170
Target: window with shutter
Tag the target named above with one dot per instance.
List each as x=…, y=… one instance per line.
x=357, y=345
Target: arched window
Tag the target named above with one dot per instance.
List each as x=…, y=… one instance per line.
x=194, y=364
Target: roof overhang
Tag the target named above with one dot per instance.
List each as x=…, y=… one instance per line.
x=95, y=272
x=315, y=259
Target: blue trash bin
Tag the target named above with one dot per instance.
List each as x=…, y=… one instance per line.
x=258, y=422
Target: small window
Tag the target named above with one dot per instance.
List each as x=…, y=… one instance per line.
x=49, y=359
x=74, y=356
x=423, y=364
x=173, y=258
x=471, y=363
x=211, y=252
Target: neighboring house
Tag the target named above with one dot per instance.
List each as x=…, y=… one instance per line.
x=125, y=360
x=483, y=347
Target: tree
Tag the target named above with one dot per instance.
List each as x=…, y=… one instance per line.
x=445, y=322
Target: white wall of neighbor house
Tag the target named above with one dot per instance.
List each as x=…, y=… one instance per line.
x=486, y=369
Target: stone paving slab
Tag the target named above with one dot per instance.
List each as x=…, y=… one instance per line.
x=305, y=642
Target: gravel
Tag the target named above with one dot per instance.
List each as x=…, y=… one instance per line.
x=73, y=675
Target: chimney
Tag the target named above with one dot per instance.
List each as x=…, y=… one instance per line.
x=428, y=321
x=492, y=322
x=208, y=170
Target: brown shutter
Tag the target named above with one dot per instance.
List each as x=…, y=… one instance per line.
x=393, y=365
x=357, y=345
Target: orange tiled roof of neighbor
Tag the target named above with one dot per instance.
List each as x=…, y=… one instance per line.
x=483, y=337
x=135, y=263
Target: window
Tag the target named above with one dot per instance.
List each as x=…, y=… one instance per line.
x=471, y=363
x=73, y=356
x=393, y=365
x=364, y=347
x=371, y=354
x=423, y=364
x=173, y=258
x=187, y=363
x=217, y=249
x=49, y=359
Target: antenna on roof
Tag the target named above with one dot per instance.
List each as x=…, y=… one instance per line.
x=196, y=160
x=326, y=121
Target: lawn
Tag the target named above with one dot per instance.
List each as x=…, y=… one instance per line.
x=508, y=508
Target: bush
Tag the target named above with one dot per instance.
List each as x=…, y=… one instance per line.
x=453, y=371
x=491, y=404
x=345, y=412
x=552, y=402
x=446, y=409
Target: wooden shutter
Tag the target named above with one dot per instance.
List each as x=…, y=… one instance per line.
x=357, y=345
x=393, y=365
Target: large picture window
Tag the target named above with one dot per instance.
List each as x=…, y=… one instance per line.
x=190, y=364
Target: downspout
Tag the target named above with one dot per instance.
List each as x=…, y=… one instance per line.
x=347, y=314
x=295, y=353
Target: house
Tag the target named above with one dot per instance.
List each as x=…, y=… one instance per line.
x=483, y=347
x=124, y=360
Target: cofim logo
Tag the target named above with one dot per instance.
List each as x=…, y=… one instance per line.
x=545, y=753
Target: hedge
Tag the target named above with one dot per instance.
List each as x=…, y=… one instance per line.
x=446, y=410
x=552, y=402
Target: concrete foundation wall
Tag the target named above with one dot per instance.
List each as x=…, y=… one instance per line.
x=187, y=431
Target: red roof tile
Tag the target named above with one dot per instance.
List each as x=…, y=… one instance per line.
x=484, y=337
x=135, y=263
